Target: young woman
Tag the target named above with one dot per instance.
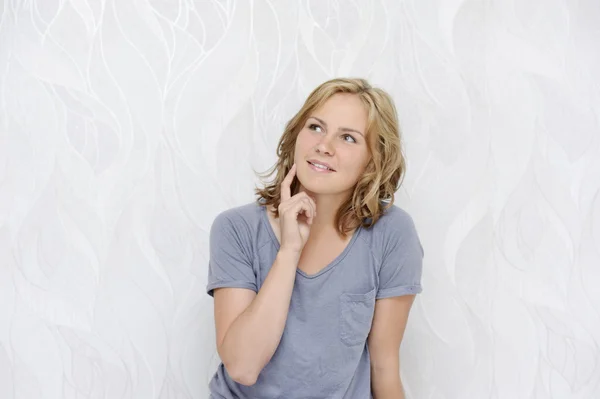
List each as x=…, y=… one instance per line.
x=313, y=282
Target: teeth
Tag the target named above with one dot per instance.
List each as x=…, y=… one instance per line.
x=320, y=166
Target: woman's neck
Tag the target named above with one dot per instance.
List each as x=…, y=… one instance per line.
x=327, y=207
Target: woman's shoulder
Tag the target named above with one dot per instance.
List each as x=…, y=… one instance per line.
x=240, y=227
x=395, y=225
x=394, y=218
x=394, y=229
x=247, y=214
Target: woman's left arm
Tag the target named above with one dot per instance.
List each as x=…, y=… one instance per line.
x=387, y=330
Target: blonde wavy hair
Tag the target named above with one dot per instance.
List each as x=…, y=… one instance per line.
x=374, y=192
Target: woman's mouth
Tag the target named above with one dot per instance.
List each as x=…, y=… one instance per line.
x=319, y=167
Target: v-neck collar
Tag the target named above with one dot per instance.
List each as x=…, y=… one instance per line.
x=331, y=265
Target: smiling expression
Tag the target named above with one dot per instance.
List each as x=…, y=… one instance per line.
x=335, y=135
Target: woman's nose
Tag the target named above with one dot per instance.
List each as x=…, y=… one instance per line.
x=325, y=146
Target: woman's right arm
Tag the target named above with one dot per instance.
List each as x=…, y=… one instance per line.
x=249, y=325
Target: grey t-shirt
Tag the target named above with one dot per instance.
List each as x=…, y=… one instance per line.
x=323, y=352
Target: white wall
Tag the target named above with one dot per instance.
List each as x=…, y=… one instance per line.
x=126, y=126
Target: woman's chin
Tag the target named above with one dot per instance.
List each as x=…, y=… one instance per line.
x=320, y=188
x=312, y=189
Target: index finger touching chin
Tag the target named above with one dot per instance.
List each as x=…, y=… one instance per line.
x=287, y=182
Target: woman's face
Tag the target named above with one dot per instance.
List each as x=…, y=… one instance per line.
x=334, y=134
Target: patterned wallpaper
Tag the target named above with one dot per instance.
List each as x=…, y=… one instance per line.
x=127, y=126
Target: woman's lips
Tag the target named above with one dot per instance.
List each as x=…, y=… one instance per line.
x=317, y=169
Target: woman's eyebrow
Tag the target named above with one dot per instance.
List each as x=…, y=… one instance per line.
x=343, y=129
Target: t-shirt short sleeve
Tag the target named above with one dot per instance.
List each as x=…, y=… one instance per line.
x=402, y=262
x=230, y=258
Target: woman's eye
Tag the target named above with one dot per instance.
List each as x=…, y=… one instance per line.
x=313, y=126
x=346, y=136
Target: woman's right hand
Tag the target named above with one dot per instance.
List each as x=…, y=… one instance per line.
x=296, y=214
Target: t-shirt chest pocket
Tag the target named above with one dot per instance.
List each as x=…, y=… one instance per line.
x=356, y=315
